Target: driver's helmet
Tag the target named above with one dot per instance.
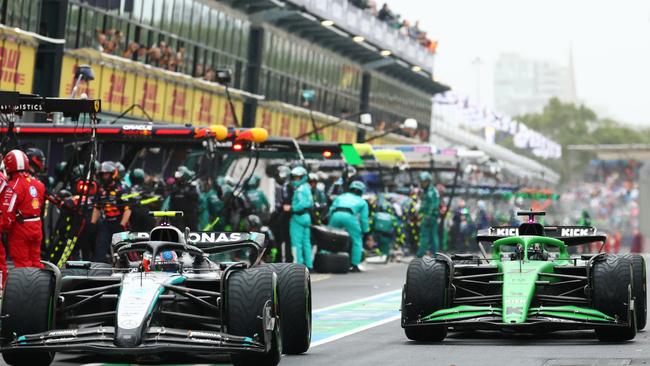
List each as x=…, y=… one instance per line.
x=167, y=261
x=537, y=252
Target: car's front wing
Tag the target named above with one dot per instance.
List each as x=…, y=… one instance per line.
x=156, y=339
x=539, y=319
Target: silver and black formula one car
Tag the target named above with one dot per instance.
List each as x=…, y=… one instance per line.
x=168, y=292
x=529, y=283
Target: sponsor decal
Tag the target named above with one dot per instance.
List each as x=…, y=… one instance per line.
x=511, y=310
x=115, y=93
x=194, y=333
x=505, y=231
x=138, y=127
x=35, y=204
x=62, y=333
x=576, y=231
x=214, y=237
x=32, y=191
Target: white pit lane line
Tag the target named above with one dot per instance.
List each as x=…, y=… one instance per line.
x=334, y=322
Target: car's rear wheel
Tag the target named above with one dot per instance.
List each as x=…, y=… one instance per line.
x=294, y=292
x=425, y=292
x=28, y=308
x=640, y=289
x=612, y=292
x=248, y=292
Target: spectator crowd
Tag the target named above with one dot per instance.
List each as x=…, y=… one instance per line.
x=395, y=21
x=160, y=54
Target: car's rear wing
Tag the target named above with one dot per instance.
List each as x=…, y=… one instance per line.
x=570, y=235
x=209, y=242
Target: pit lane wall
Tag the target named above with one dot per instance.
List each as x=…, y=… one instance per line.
x=18, y=58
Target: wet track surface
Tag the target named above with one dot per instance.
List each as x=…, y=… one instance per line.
x=355, y=324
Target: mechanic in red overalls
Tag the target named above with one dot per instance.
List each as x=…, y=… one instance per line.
x=3, y=254
x=22, y=205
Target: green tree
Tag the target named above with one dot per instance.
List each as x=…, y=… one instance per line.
x=571, y=124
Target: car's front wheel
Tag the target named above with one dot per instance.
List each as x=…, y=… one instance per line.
x=612, y=293
x=294, y=292
x=27, y=306
x=425, y=292
x=248, y=292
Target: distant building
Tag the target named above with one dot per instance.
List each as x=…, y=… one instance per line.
x=524, y=85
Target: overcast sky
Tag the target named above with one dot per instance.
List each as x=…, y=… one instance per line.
x=610, y=38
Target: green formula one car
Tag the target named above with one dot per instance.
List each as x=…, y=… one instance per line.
x=528, y=284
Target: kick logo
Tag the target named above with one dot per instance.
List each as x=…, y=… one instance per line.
x=505, y=231
x=575, y=232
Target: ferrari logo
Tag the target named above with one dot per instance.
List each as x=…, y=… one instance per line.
x=97, y=105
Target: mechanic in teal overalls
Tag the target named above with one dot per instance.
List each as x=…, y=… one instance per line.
x=257, y=198
x=384, y=226
x=300, y=224
x=429, y=213
x=350, y=212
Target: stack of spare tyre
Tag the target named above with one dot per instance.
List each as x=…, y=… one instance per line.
x=333, y=249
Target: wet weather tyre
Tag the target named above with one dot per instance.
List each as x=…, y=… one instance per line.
x=425, y=291
x=332, y=263
x=27, y=304
x=248, y=291
x=612, y=292
x=96, y=269
x=639, y=292
x=294, y=292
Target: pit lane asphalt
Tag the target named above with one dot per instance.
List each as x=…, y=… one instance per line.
x=386, y=343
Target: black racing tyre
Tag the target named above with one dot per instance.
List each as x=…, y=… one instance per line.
x=248, y=291
x=639, y=292
x=294, y=292
x=425, y=291
x=28, y=305
x=96, y=269
x=612, y=292
x=332, y=263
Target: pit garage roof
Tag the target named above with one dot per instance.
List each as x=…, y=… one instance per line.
x=408, y=61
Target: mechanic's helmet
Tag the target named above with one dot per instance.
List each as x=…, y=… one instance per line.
x=253, y=222
x=107, y=173
x=15, y=161
x=298, y=176
x=167, y=261
x=283, y=172
x=78, y=172
x=357, y=187
x=254, y=181
x=36, y=159
x=137, y=176
x=183, y=174
x=425, y=177
x=59, y=170
x=313, y=177
x=121, y=170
